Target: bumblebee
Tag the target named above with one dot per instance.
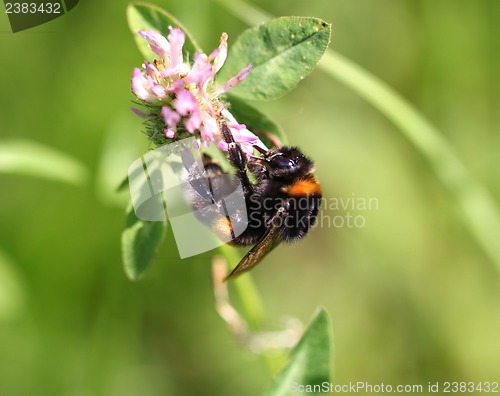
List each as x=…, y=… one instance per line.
x=282, y=200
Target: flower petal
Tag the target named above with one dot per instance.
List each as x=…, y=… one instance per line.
x=185, y=102
x=176, y=38
x=157, y=43
x=247, y=148
x=157, y=89
x=222, y=145
x=243, y=135
x=201, y=71
x=234, y=81
x=140, y=86
x=151, y=70
x=170, y=133
x=209, y=128
x=171, y=117
x=221, y=54
x=179, y=70
x=193, y=122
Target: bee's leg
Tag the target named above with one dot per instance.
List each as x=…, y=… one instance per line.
x=258, y=170
x=237, y=157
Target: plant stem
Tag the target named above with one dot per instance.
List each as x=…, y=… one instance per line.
x=247, y=292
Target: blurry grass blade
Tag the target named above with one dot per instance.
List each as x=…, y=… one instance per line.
x=123, y=185
x=256, y=121
x=140, y=241
x=29, y=158
x=309, y=362
x=476, y=207
x=145, y=16
x=11, y=292
x=282, y=52
x=251, y=302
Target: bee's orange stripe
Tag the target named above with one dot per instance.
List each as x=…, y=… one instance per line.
x=304, y=188
x=223, y=228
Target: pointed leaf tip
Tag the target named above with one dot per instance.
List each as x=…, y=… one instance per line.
x=309, y=363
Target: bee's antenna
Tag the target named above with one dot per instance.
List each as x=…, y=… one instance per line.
x=260, y=149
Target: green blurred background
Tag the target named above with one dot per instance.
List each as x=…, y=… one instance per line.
x=412, y=296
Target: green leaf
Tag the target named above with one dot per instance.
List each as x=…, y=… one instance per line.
x=140, y=241
x=282, y=51
x=310, y=359
x=256, y=121
x=24, y=157
x=145, y=16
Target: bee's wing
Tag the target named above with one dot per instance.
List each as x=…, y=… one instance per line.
x=196, y=178
x=270, y=239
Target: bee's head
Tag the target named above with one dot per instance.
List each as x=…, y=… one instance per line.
x=287, y=163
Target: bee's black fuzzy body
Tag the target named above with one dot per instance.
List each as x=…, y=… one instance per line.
x=282, y=204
